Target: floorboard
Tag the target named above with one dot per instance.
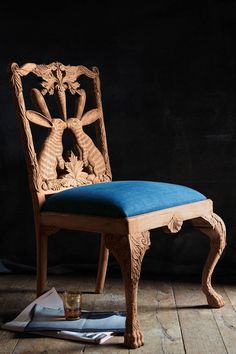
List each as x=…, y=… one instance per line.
x=199, y=328
x=174, y=316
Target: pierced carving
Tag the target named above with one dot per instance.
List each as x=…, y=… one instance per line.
x=213, y=226
x=75, y=176
x=86, y=149
x=50, y=171
x=60, y=77
x=57, y=78
x=129, y=251
x=50, y=157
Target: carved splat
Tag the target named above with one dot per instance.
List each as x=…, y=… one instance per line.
x=129, y=251
x=50, y=170
x=213, y=226
x=85, y=148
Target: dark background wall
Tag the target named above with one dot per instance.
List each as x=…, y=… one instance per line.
x=168, y=71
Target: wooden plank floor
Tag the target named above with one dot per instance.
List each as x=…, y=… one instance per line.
x=174, y=316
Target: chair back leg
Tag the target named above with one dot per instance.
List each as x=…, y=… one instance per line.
x=102, y=265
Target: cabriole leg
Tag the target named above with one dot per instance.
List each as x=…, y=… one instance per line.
x=129, y=251
x=213, y=226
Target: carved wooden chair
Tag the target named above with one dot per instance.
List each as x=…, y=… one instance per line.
x=67, y=193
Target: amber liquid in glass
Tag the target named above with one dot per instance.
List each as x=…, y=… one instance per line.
x=72, y=314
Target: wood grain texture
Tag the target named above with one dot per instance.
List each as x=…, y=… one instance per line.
x=54, y=170
x=14, y=297
x=102, y=265
x=199, y=329
x=129, y=251
x=58, y=78
x=203, y=330
x=226, y=321
x=159, y=319
x=50, y=172
x=213, y=226
x=160, y=218
x=111, y=300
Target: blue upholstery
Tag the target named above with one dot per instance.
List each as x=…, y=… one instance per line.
x=121, y=198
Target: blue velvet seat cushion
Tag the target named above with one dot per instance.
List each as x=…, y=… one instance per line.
x=121, y=199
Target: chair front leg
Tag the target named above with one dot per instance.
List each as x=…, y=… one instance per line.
x=129, y=251
x=213, y=226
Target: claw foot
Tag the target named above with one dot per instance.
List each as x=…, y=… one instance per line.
x=134, y=339
x=215, y=300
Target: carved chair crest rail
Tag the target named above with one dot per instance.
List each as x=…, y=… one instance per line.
x=73, y=190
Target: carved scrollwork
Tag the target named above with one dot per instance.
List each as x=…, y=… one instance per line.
x=130, y=248
x=218, y=227
x=61, y=77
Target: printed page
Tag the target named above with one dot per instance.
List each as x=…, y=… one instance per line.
x=53, y=319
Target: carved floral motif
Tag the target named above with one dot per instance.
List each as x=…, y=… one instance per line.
x=60, y=77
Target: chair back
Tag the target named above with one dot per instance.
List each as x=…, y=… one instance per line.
x=51, y=168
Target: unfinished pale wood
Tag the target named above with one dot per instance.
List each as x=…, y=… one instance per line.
x=88, y=152
x=51, y=172
x=133, y=224
x=43, y=170
x=50, y=157
x=84, y=222
x=102, y=265
x=164, y=217
x=129, y=251
x=213, y=226
x=199, y=329
x=57, y=78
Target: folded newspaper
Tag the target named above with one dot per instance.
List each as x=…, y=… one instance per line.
x=45, y=316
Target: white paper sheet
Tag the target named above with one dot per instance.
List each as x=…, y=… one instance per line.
x=52, y=300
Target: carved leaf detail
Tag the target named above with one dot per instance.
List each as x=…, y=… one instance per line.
x=75, y=176
x=61, y=77
x=175, y=224
x=73, y=87
x=74, y=167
